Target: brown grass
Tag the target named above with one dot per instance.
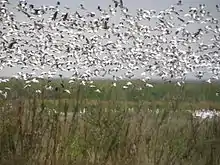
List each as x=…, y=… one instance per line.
x=107, y=133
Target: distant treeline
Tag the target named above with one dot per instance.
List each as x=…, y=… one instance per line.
x=135, y=92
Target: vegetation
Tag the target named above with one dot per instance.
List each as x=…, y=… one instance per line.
x=114, y=126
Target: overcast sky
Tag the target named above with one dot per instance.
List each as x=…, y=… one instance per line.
x=132, y=5
x=148, y=4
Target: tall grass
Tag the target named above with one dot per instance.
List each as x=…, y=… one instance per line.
x=113, y=127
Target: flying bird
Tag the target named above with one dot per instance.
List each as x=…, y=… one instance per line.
x=121, y=4
x=116, y=3
x=179, y=2
x=65, y=17
x=12, y=44
x=218, y=8
x=99, y=8
x=55, y=16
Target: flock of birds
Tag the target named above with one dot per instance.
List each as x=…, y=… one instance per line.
x=51, y=41
x=206, y=114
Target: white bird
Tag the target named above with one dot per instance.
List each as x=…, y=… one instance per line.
x=38, y=91
x=97, y=91
x=67, y=91
x=125, y=87
x=149, y=85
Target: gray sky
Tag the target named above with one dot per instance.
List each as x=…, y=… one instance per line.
x=132, y=5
